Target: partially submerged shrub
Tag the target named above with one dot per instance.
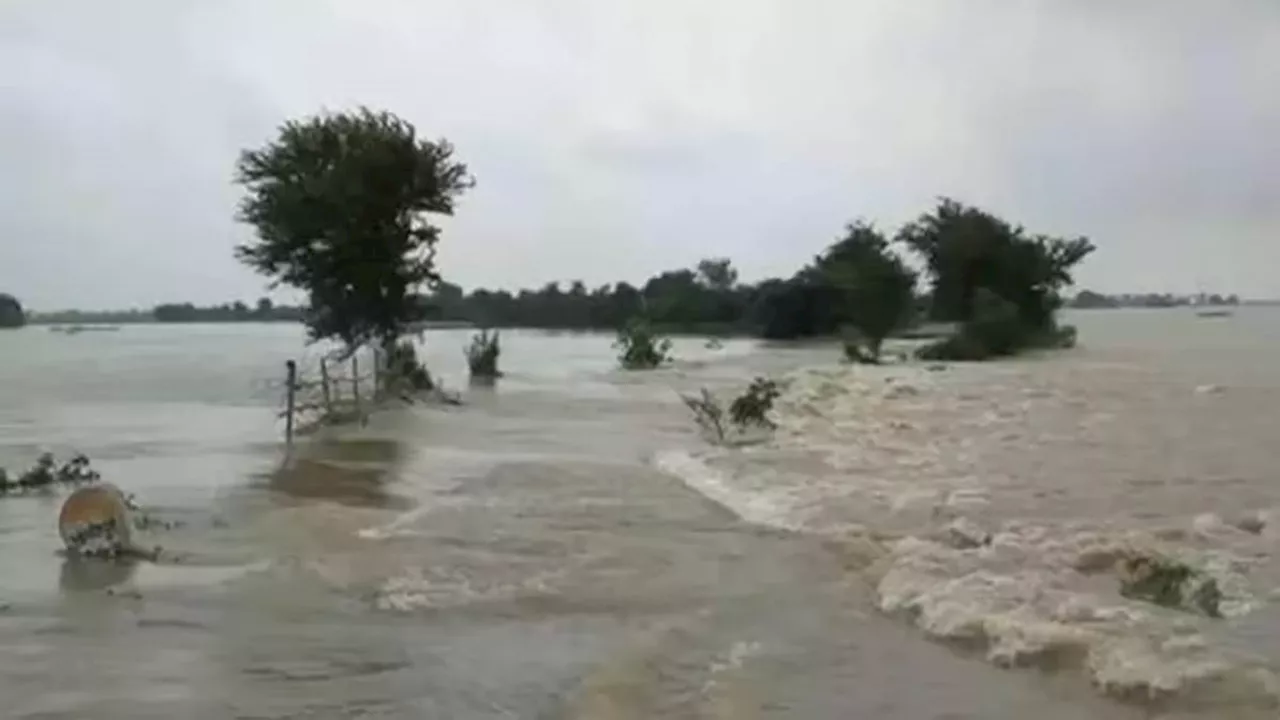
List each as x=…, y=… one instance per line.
x=46, y=473
x=858, y=348
x=640, y=347
x=707, y=413
x=753, y=406
x=750, y=409
x=482, y=355
x=997, y=329
x=1170, y=583
x=404, y=371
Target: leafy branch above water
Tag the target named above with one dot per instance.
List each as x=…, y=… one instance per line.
x=47, y=474
x=749, y=410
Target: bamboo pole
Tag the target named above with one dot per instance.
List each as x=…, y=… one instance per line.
x=291, y=382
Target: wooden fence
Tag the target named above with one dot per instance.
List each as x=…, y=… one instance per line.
x=332, y=394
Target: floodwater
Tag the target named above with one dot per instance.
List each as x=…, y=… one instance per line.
x=566, y=546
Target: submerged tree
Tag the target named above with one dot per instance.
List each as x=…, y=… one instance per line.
x=340, y=203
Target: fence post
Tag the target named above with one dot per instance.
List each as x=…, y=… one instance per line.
x=324, y=387
x=355, y=382
x=377, y=369
x=291, y=383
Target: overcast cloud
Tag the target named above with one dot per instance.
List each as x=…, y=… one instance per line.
x=614, y=138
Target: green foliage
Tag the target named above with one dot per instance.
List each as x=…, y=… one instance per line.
x=1170, y=583
x=753, y=406
x=47, y=473
x=482, y=355
x=640, y=347
x=11, y=314
x=718, y=274
x=1001, y=284
x=996, y=330
x=340, y=204
x=750, y=409
x=873, y=288
x=966, y=249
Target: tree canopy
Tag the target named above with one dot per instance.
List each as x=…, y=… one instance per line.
x=11, y=314
x=872, y=289
x=341, y=203
x=966, y=249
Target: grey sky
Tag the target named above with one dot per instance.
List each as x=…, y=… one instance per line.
x=614, y=138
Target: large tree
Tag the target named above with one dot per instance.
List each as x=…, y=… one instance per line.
x=11, y=314
x=966, y=250
x=873, y=289
x=341, y=205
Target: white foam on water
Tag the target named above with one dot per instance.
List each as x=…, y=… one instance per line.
x=757, y=505
x=922, y=455
x=163, y=575
x=438, y=587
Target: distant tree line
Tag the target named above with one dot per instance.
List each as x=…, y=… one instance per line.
x=1088, y=299
x=263, y=311
x=860, y=284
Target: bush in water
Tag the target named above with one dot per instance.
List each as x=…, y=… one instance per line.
x=996, y=330
x=640, y=347
x=753, y=406
x=482, y=355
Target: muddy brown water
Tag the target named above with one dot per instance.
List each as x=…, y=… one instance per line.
x=519, y=557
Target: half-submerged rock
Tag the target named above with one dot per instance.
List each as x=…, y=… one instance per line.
x=97, y=521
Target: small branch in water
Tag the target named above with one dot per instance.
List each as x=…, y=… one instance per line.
x=750, y=409
x=47, y=474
